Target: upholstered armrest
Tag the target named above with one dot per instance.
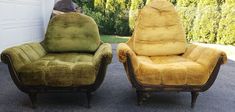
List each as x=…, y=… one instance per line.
x=123, y=49
x=104, y=51
x=205, y=56
x=19, y=56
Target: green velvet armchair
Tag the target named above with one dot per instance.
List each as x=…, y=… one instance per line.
x=71, y=58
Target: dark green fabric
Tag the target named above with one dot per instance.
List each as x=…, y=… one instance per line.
x=66, y=69
x=35, y=67
x=104, y=51
x=24, y=54
x=72, y=32
x=60, y=70
x=72, y=57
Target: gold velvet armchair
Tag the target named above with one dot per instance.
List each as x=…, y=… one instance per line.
x=158, y=58
x=71, y=58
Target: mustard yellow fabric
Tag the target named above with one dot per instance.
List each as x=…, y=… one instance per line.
x=192, y=68
x=160, y=54
x=158, y=26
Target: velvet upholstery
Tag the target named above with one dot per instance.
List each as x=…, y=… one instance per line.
x=166, y=62
x=158, y=26
x=67, y=69
x=72, y=32
x=192, y=68
x=35, y=67
x=24, y=54
x=70, y=56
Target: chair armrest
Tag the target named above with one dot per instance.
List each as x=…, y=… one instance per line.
x=205, y=56
x=104, y=51
x=19, y=56
x=122, y=50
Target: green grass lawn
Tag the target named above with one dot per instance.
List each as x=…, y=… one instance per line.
x=113, y=39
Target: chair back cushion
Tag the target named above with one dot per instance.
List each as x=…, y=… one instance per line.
x=72, y=32
x=158, y=30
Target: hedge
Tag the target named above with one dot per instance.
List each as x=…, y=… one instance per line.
x=172, y=1
x=206, y=24
x=226, y=31
x=136, y=5
x=187, y=3
x=110, y=16
x=100, y=5
x=187, y=16
x=210, y=21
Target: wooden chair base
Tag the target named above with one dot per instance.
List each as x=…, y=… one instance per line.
x=33, y=99
x=141, y=97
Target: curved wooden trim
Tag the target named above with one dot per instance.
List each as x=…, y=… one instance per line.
x=7, y=60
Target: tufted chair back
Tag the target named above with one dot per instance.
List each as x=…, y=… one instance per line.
x=72, y=32
x=158, y=30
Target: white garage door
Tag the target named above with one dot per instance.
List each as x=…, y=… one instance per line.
x=23, y=21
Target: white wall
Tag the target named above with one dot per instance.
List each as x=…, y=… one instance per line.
x=47, y=8
x=23, y=21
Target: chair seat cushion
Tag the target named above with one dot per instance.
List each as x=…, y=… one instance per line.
x=170, y=70
x=60, y=70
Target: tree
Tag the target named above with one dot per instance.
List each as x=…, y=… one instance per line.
x=187, y=16
x=172, y=1
x=187, y=3
x=207, y=21
x=134, y=11
x=226, y=31
x=100, y=5
x=187, y=11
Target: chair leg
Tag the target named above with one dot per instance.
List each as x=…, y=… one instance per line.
x=88, y=94
x=139, y=98
x=194, y=96
x=33, y=98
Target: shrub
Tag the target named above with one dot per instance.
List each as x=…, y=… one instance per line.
x=110, y=16
x=187, y=16
x=116, y=11
x=97, y=16
x=203, y=3
x=210, y=21
x=82, y=3
x=187, y=3
x=207, y=21
x=134, y=11
x=122, y=19
x=187, y=11
x=226, y=31
x=206, y=24
x=230, y=2
x=99, y=5
x=172, y=1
